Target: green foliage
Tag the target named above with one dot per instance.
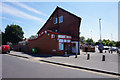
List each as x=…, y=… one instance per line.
x=118, y=44
x=89, y=41
x=111, y=44
x=32, y=37
x=4, y=40
x=13, y=33
x=82, y=39
x=97, y=43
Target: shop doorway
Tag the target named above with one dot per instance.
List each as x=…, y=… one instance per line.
x=67, y=48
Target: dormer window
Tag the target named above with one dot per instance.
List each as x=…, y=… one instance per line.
x=60, y=19
x=55, y=20
x=56, y=30
x=52, y=36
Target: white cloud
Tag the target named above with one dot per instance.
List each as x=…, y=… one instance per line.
x=5, y=18
x=29, y=8
x=15, y=12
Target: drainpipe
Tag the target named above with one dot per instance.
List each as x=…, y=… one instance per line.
x=78, y=44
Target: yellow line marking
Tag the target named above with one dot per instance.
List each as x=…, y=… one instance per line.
x=37, y=58
x=84, y=70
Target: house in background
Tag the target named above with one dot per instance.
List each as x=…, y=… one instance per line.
x=61, y=31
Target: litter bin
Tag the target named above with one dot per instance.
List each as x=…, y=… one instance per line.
x=34, y=50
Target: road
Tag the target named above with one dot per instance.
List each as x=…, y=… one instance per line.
x=16, y=67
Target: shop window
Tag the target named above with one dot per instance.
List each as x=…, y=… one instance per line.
x=61, y=46
x=68, y=36
x=60, y=40
x=60, y=19
x=61, y=36
x=68, y=41
x=65, y=40
x=55, y=20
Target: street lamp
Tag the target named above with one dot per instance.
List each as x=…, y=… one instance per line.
x=100, y=28
x=111, y=37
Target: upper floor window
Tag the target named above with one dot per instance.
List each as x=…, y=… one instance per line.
x=60, y=19
x=55, y=20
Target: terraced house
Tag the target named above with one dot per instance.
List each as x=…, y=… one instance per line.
x=59, y=34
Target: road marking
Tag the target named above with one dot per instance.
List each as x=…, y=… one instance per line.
x=115, y=76
x=36, y=60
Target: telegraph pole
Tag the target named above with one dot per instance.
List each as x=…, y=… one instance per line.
x=100, y=28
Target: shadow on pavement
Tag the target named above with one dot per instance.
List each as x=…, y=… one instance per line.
x=45, y=55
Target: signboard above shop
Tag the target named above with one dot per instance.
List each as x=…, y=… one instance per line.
x=64, y=36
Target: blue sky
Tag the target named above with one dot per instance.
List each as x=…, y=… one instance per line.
x=32, y=15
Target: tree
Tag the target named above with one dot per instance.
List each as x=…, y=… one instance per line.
x=118, y=44
x=97, y=43
x=4, y=40
x=32, y=37
x=89, y=41
x=13, y=33
x=110, y=44
x=82, y=39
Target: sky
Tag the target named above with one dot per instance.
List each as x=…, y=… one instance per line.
x=31, y=16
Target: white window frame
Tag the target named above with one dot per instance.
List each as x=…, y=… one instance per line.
x=60, y=19
x=55, y=20
x=52, y=36
x=60, y=40
x=61, y=36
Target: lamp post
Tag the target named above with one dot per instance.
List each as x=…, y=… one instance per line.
x=100, y=28
x=111, y=37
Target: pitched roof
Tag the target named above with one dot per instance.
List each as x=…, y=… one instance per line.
x=53, y=13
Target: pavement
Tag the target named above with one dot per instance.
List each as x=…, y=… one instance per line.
x=110, y=65
x=17, y=67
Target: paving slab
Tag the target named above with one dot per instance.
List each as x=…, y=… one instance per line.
x=95, y=62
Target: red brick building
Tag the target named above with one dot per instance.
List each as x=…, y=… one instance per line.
x=61, y=22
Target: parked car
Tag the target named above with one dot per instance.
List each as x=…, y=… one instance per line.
x=113, y=49
x=106, y=47
x=5, y=49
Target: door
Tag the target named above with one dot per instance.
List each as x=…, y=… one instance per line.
x=67, y=47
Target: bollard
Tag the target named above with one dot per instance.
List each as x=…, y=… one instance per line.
x=105, y=51
x=88, y=56
x=76, y=55
x=65, y=54
x=103, y=57
x=111, y=51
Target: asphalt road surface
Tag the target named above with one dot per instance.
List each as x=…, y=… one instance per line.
x=16, y=67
